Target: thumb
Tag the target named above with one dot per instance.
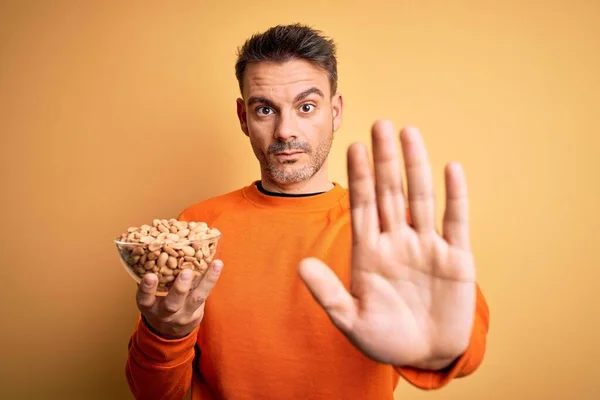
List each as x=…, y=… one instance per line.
x=329, y=292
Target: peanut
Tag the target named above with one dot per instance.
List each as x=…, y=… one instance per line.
x=166, y=247
x=154, y=246
x=187, y=265
x=183, y=233
x=162, y=260
x=189, y=250
x=166, y=271
x=146, y=239
x=149, y=265
x=172, y=262
x=182, y=225
x=177, y=246
x=173, y=236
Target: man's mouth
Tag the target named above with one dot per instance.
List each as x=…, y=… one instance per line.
x=288, y=156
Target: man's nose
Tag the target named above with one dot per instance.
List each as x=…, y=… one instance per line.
x=286, y=126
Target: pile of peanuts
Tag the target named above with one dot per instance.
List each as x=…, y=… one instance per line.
x=168, y=247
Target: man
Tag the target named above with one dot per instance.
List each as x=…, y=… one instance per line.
x=322, y=293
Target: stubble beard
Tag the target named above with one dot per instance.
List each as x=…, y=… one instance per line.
x=281, y=172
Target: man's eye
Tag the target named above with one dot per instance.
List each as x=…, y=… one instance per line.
x=306, y=108
x=264, y=110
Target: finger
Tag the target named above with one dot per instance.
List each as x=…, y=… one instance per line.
x=388, y=176
x=329, y=292
x=421, y=199
x=175, y=299
x=363, y=205
x=199, y=295
x=456, y=216
x=146, y=292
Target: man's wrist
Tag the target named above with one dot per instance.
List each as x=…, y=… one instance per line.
x=150, y=327
x=161, y=335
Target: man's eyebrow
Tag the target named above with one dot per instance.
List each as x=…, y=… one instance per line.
x=306, y=93
x=260, y=99
x=299, y=97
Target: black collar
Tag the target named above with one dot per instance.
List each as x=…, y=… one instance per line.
x=268, y=193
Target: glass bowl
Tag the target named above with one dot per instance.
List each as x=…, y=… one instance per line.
x=167, y=247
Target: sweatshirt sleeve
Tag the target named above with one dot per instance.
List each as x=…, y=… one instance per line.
x=157, y=368
x=466, y=364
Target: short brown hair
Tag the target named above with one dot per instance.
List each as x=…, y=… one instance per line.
x=287, y=42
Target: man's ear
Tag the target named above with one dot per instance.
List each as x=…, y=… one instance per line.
x=337, y=110
x=242, y=116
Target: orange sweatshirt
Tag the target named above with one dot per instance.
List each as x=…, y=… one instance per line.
x=263, y=336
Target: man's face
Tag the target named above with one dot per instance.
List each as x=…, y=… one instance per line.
x=290, y=116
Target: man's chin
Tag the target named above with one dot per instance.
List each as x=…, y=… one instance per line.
x=289, y=177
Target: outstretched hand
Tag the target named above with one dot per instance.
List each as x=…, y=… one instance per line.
x=411, y=300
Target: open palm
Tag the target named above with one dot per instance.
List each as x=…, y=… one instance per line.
x=411, y=300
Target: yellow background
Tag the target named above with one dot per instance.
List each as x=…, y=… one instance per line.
x=115, y=113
